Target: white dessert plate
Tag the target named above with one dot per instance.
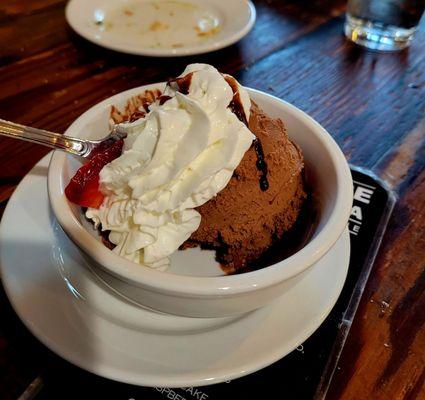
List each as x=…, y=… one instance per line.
x=161, y=28
x=76, y=316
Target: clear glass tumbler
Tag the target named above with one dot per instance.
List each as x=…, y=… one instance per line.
x=383, y=24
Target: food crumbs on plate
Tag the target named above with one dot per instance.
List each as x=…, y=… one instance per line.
x=158, y=25
x=208, y=33
x=171, y=24
x=104, y=25
x=155, y=45
x=108, y=25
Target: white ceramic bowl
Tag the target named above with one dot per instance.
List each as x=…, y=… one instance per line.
x=182, y=293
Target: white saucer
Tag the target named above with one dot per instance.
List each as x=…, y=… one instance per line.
x=161, y=28
x=74, y=315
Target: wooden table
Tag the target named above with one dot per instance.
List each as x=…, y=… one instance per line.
x=373, y=105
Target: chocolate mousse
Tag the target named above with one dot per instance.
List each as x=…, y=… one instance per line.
x=201, y=165
x=260, y=203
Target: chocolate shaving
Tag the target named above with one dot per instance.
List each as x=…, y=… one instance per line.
x=135, y=108
x=182, y=83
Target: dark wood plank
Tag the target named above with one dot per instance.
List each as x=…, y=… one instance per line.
x=384, y=356
x=57, y=76
x=27, y=28
x=367, y=101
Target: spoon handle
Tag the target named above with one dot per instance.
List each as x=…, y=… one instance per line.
x=45, y=138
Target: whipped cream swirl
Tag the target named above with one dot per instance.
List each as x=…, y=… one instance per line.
x=176, y=158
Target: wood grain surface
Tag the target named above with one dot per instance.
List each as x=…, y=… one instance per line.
x=373, y=105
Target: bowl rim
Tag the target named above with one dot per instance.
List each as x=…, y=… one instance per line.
x=190, y=286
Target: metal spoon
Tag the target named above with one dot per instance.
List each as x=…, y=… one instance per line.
x=79, y=147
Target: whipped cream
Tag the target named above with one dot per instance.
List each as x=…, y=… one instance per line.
x=176, y=158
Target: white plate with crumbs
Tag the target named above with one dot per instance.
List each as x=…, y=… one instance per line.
x=161, y=28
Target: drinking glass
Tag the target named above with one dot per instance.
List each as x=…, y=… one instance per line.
x=383, y=24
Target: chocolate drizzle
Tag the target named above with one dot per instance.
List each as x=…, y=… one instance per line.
x=136, y=115
x=182, y=82
x=104, y=235
x=261, y=164
x=163, y=99
x=237, y=107
x=236, y=104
